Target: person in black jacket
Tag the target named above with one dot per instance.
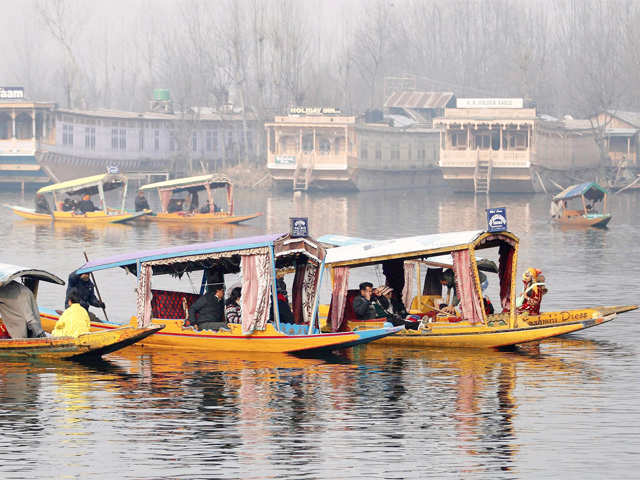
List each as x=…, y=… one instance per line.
x=85, y=205
x=285, y=315
x=42, y=206
x=207, y=313
x=363, y=305
x=85, y=290
x=141, y=202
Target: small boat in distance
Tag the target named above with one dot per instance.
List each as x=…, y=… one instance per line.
x=88, y=345
x=96, y=184
x=188, y=210
x=586, y=215
x=260, y=260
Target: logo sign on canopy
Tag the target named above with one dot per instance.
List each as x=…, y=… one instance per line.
x=299, y=227
x=496, y=219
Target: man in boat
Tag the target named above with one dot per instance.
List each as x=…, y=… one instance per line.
x=68, y=205
x=85, y=291
x=19, y=311
x=74, y=321
x=207, y=312
x=175, y=205
x=141, y=202
x=448, y=280
x=285, y=315
x=85, y=205
x=363, y=304
x=42, y=206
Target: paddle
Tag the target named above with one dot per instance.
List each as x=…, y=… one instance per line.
x=97, y=290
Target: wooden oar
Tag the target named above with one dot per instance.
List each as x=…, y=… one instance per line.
x=97, y=290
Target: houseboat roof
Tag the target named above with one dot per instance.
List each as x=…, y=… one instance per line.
x=590, y=190
x=10, y=272
x=81, y=186
x=205, y=114
x=379, y=250
x=133, y=258
x=179, y=184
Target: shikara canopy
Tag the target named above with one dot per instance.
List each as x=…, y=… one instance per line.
x=12, y=272
x=590, y=190
x=87, y=185
x=423, y=245
x=190, y=183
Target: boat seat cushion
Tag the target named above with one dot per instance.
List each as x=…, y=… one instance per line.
x=168, y=304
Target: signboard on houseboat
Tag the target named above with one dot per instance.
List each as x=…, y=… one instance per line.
x=489, y=103
x=10, y=93
x=299, y=227
x=496, y=219
x=313, y=110
x=285, y=159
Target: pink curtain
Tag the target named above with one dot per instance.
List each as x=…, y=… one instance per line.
x=409, y=280
x=256, y=292
x=165, y=198
x=230, y=198
x=339, y=297
x=466, y=287
x=143, y=300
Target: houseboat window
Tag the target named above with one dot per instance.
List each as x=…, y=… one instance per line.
x=90, y=138
x=5, y=126
x=156, y=140
x=422, y=153
x=364, y=151
x=459, y=140
x=482, y=141
x=495, y=140
x=39, y=120
x=324, y=146
x=194, y=141
x=172, y=141
x=517, y=140
x=67, y=134
x=338, y=145
x=24, y=126
x=114, y=139
x=123, y=139
x=395, y=151
x=307, y=143
x=272, y=140
x=141, y=140
x=378, y=151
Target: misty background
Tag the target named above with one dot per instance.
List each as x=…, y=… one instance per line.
x=568, y=56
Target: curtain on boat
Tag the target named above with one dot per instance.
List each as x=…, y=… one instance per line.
x=304, y=291
x=505, y=268
x=409, y=280
x=256, y=291
x=230, y=198
x=165, y=198
x=143, y=301
x=339, y=297
x=466, y=287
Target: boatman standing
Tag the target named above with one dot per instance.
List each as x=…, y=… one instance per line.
x=42, y=206
x=85, y=292
x=141, y=202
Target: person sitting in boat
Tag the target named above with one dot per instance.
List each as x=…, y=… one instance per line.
x=232, y=307
x=68, y=205
x=206, y=208
x=74, y=321
x=534, y=288
x=141, y=202
x=207, y=312
x=85, y=205
x=175, y=205
x=363, y=305
x=42, y=206
x=448, y=280
x=285, y=314
x=19, y=311
x=85, y=290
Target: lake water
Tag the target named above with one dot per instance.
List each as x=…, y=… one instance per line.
x=568, y=409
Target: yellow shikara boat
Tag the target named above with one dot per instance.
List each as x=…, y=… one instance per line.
x=258, y=259
x=472, y=326
x=88, y=345
x=173, y=211
x=97, y=184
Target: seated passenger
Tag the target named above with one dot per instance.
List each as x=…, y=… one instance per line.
x=175, y=205
x=391, y=308
x=448, y=280
x=363, y=305
x=19, y=311
x=284, y=310
x=534, y=288
x=232, y=308
x=141, y=202
x=207, y=312
x=74, y=321
x=206, y=208
x=85, y=205
x=69, y=205
x=42, y=206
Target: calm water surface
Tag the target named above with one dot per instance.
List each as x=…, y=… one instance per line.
x=569, y=408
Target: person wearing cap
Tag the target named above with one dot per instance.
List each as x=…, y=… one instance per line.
x=207, y=312
x=86, y=205
x=42, y=206
x=141, y=202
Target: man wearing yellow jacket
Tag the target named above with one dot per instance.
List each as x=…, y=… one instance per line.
x=74, y=321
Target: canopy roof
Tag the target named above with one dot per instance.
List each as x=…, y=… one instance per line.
x=444, y=261
x=131, y=259
x=190, y=183
x=10, y=272
x=87, y=185
x=590, y=190
x=375, y=251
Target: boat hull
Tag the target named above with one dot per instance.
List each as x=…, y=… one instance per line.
x=175, y=335
x=205, y=218
x=590, y=220
x=70, y=217
x=94, y=344
x=496, y=333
